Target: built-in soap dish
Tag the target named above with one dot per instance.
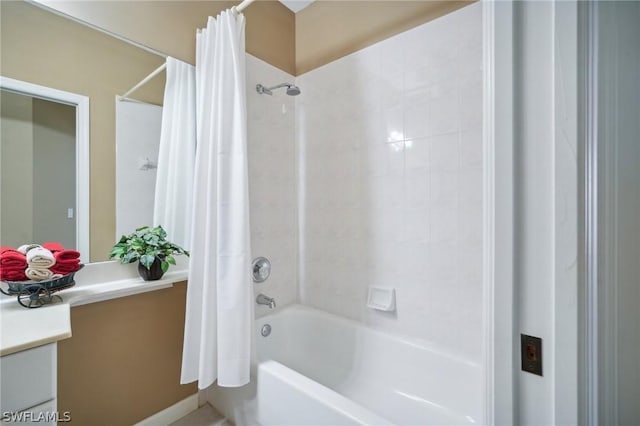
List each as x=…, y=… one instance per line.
x=382, y=298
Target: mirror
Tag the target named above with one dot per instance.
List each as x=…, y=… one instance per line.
x=52, y=51
x=44, y=166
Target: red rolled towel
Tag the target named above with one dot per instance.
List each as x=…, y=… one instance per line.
x=64, y=255
x=53, y=246
x=12, y=274
x=68, y=262
x=13, y=259
x=65, y=267
x=65, y=270
x=4, y=250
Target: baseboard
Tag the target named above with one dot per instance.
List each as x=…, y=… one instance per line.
x=173, y=413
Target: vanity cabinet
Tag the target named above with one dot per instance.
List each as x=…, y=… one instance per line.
x=28, y=384
x=120, y=366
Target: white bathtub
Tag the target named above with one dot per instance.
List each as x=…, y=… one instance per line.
x=319, y=369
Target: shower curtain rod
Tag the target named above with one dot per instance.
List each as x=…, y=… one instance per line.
x=235, y=9
x=146, y=80
x=242, y=6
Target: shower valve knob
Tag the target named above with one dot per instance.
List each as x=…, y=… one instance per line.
x=260, y=269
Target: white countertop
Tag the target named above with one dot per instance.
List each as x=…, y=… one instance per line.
x=23, y=328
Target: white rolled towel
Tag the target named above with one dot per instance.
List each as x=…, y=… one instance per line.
x=24, y=249
x=38, y=274
x=40, y=258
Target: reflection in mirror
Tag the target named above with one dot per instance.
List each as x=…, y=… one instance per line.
x=37, y=170
x=43, y=166
x=48, y=49
x=138, y=127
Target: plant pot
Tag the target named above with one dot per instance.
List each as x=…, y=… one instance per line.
x=152, y=274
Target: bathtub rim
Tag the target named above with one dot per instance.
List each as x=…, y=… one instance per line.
x=414, y=342
x=309, y=387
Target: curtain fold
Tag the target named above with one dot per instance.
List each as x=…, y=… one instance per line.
x=218, y=323
x=176, y=158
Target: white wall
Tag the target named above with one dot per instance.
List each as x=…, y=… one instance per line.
x=534, y=189
x=545, y=164
x=566, y=227
x=272, y=181
x=619, y=212
x=390, y=160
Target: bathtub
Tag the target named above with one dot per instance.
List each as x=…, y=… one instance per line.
x=315, y=368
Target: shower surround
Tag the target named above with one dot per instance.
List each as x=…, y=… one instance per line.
x=390, y=175
x=371, y=176
x=272, y=181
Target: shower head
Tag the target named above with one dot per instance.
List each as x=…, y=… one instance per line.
x=292, y=90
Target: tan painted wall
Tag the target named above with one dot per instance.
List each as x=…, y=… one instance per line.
x=296, y=43
x=42, y=48
x=123, y=362
x=329, y=30
x=269, y=29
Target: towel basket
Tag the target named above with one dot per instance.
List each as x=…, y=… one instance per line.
x=34, y=294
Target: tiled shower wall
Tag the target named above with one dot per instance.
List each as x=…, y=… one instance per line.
x=272, y=181
x=390, y=182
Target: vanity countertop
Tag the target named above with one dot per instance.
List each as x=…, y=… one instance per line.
x=22, y=328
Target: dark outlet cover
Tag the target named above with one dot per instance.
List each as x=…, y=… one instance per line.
x=531, y=354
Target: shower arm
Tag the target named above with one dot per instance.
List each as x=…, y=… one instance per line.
x=278, y=86
x=267, y=90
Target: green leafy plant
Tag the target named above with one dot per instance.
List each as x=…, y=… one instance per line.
x=146, y=244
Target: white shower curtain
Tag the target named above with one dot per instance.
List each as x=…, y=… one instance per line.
x=176, y=158
x=218, y=323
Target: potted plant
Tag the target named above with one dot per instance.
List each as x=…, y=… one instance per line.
x=151, y=248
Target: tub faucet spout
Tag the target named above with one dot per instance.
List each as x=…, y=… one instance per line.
x=265, y=300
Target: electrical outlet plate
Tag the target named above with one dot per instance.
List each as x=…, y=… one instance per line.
x=531, y=354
